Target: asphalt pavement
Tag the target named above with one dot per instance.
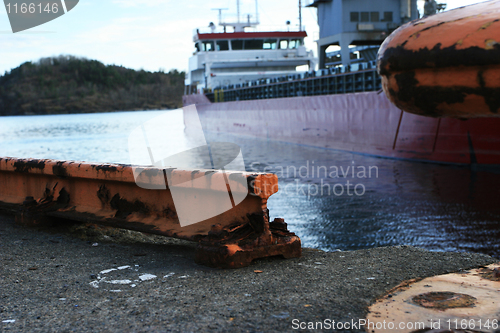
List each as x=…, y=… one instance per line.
x=83, y=278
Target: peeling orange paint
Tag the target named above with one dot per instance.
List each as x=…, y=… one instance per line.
x=39, y=190
x=452, y=69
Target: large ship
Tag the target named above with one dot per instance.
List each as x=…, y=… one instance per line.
x=246, y=82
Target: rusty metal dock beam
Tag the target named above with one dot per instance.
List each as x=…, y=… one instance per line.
x=107, y=194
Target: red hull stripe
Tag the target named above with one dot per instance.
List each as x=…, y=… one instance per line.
x=250, y=35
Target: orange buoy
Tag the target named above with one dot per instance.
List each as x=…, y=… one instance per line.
x=445, y=65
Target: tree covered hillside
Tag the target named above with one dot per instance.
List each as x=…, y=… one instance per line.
x=67, y=84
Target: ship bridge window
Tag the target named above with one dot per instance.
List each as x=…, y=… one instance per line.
x=208, y=46
x=237, y=44
x=196, y=47
x=374, y=16
x=365, y=17
x=222, y=45
x=254, y=44
x=283, y=44
x=354, y=17
x=270, y=44
x=295, y=43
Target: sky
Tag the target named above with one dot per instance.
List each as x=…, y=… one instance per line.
x=142, y=34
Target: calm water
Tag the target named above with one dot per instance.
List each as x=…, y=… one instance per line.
x=383, y=202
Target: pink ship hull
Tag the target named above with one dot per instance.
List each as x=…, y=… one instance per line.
x=366, y=123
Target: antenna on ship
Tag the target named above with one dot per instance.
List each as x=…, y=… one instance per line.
x=300, y=15
x=248, y=16
x=256, y=12
x=238, y=9
x=220, y=15
x=239, y=25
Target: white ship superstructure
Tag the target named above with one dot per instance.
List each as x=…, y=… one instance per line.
x=223, y=58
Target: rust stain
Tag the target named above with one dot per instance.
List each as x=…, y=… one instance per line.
x=106, y=168
x=490, y=274
x=239, y=245
x=60, y=170
x=444, y=300
x=486, y=25
x=490, y=44
x=405, y=285
x=103, y=194
x=27, y=165
x=170, y=213
x=124, y=207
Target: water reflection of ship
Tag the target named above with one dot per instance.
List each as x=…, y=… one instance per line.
x=477, y=189
x=245, y=82
x=432, y=206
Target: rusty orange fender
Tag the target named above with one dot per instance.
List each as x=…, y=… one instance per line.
x=445, y=65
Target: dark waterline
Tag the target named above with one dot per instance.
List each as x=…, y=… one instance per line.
x=437, y=207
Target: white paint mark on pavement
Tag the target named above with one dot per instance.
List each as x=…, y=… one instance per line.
x=106, y=271
x=147, y=277
x=124, y=275
x=119, y=282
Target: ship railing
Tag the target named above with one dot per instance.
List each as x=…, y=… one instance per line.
x=259, y=28
x=322, y=82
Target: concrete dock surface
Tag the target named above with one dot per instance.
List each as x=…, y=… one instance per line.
x=83, y=278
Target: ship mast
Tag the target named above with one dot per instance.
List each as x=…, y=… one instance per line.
x=220, y=16
x=300, y=15
x=256, y=12
x=238, y=9
x=239, y=25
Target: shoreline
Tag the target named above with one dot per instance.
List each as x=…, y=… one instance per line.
x=71, y=113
